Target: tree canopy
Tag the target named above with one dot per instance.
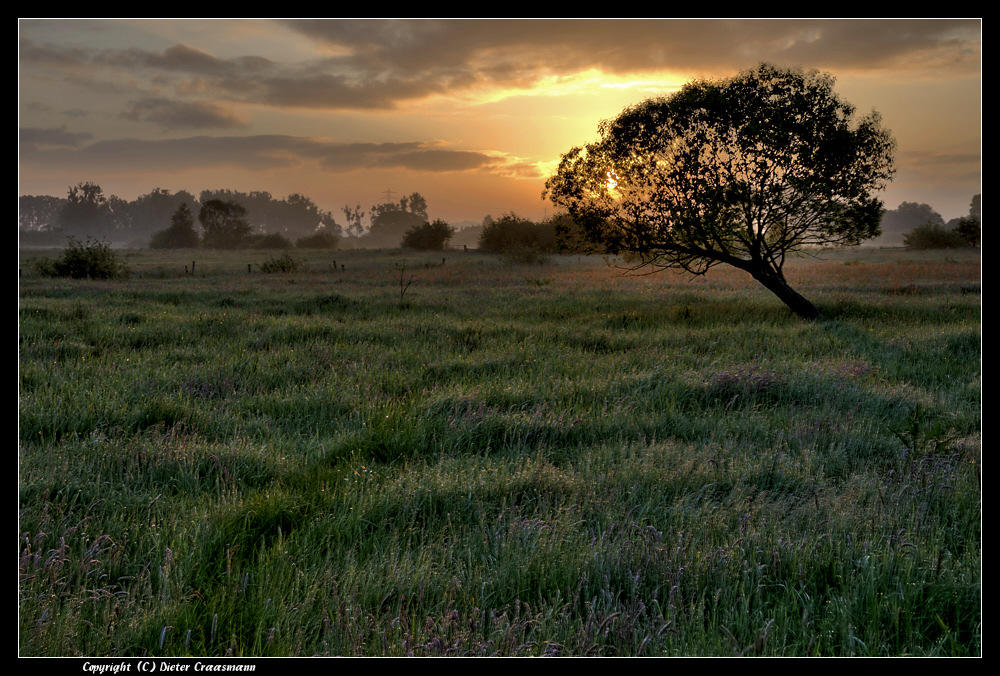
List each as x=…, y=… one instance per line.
x=428, y=236
x=225, y=224
x=739, y=171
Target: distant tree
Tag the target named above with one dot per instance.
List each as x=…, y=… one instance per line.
x=299, y=216
x=225, y=224
x=181, y=233
x=153, y=211
x=415, y=204
x=511, y=233
x=738, y=172
x=933, y=236
x=119, y=216
x=38, y=212
x=391, y=220
x=970, y=230
x=354, y=218
x=85, y=210
x=428, y=236
x=976, y=208
x=907, y=216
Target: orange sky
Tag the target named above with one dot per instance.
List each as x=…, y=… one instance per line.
x=472, y=114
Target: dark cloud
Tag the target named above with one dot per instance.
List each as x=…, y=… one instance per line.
x=182, y=115
x=562, y=45
x=255, y=153
x=382, y=64
x=32, y=138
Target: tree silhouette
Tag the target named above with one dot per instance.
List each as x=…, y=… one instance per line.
x=738, y=172
x=428, y=236
x=181, y=233
x=225, y=224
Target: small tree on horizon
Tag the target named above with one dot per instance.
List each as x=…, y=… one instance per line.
x=739, y=172
x=180, y=235
x=428, y=236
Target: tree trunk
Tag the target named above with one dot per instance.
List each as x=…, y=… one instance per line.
x=776, y=284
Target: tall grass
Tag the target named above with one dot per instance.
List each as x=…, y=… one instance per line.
x=542, y=459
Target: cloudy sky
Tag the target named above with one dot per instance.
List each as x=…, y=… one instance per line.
x=472, y=114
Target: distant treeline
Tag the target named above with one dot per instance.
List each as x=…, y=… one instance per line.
x=87, y=212
x=911, y=223
x=231, y=219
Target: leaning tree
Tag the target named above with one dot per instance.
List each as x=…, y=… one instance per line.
x=740, y=172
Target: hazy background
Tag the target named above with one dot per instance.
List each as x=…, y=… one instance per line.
x=472, y=114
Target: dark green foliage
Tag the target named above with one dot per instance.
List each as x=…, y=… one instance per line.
x=428, y=236
x=970, y=230
x=181, y=233
x=85, y=209
x=933, y=236
x=89, y=260
x=511, y=233
x=225, y=224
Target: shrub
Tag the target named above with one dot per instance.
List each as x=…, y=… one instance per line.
x=933, y=236
x=511, y=233
x=90, y=260
x=428, y=236
x=321, y=240
x=284, y=263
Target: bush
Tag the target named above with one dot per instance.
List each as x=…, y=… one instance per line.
x=428, y=236
x=510, y=233
x=90, y=260
x=933, y=236
x=284, y=263
x=321, y=240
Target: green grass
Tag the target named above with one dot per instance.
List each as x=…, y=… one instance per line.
x=506, y=459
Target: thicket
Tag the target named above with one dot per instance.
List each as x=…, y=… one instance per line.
x=85, y=260
x=511, y=233
x=428, y=236
x=966, y=233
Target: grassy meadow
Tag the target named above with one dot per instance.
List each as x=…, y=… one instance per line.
x=461, y=454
